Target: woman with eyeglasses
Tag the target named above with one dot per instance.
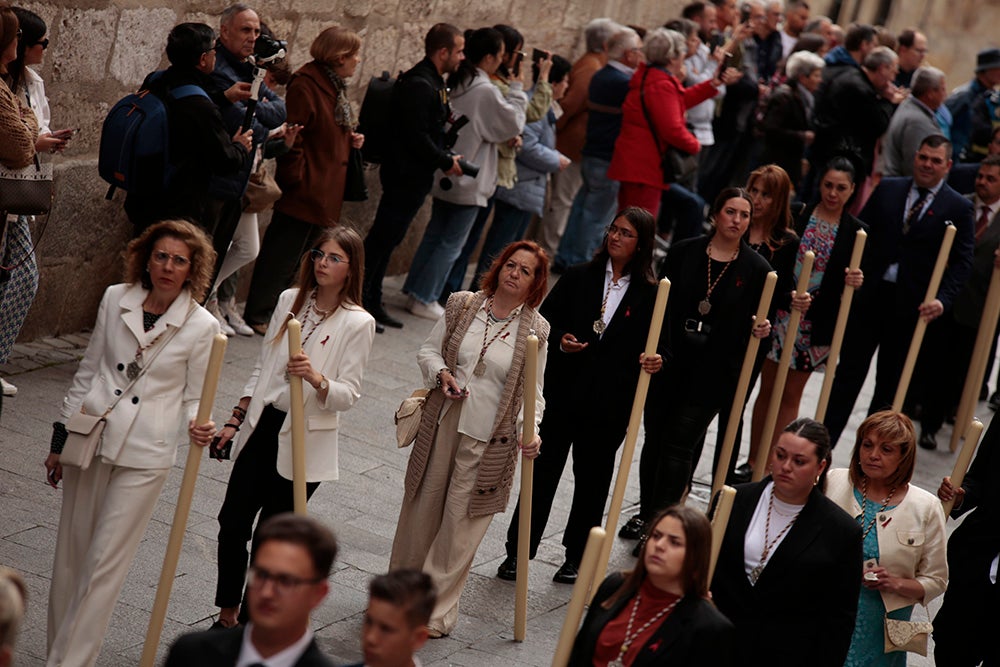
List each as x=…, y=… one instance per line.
x=18, y=134
x=337, y=335
x=716, y=284
x=143, y=369
x=600, y=313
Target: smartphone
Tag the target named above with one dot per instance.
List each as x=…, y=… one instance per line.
x=537, y=54
x=67, y=133
x=745, y=13
x=220, y=453
x=52, y=477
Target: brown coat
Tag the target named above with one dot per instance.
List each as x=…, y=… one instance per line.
x=313, y=173
x=495, y=475
x=571, y=130
x=18, y=130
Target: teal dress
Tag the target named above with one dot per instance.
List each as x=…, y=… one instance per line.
x=868, y=640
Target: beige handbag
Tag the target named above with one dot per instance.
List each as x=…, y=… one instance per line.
x=907, y=635
x=83, y=435
x=408, y=417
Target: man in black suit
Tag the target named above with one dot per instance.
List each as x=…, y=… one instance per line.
x=945, y=358
x=907, y=218
x=287, y=580
x=965, y=626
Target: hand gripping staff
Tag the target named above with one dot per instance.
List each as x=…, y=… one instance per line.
x=183, y=508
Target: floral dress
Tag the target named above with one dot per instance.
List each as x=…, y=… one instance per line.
x=819, y=236
x=868, y=641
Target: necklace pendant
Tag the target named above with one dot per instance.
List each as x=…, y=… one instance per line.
x=617, y=662
x=132, y=370
x=755, y=573
x=599, y=328
x=704, y=307
x=480, y=369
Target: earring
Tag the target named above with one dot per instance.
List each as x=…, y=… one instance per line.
x=817, y=480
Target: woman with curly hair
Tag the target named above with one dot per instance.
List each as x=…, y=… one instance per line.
x=143, y=369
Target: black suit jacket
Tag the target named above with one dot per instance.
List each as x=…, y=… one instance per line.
x=976, y=542
x=916, y=251
x=221, y=648
x=826, y=302
x=572, y=307
x=971, y=300
x=694, y=633
x=802, y=609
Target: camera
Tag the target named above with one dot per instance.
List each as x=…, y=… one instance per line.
x=450, y=137
x=468, y=169
x=267, y=49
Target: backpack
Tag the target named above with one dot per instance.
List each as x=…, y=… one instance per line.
x=375, y=118
x=135, y=140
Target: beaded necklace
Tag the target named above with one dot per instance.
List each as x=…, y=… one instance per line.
x=704, y=306
x=769, y=543
x=480, y=369
x=630, y=636
x=864, y=504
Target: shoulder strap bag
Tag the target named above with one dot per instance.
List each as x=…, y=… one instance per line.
x=677, y=165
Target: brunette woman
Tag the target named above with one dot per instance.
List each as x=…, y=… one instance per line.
x=827, y=229
x=790, y=561
x=462, y=465
x=337, y=336
x=903, y=532
x=600, y=314
x=717, y=281
x=659, y=614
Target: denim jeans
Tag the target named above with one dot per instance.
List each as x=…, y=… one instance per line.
x=593, y=209
x=456, y=276
x=446, y=233
x=687, y=210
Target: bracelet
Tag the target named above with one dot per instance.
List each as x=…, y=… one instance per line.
x=439, y=384
x=235, y=427
x=239, y=413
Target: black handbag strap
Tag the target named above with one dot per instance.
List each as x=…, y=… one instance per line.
x=645, y=111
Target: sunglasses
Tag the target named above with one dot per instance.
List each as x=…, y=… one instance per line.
x=44, y=43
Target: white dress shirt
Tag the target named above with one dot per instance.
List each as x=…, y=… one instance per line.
x=285, y=658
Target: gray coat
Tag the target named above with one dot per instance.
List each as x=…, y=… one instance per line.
x=912, y=121
x=537, y=159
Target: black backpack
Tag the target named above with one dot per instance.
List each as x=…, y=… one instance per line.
x=375, y=120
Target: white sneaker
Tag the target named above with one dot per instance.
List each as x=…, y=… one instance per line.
x=429, y=311
x=213, y=307
x=232, y=315
x=8, y=388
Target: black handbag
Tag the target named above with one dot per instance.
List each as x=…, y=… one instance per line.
x=678, y=166
x=354, y=185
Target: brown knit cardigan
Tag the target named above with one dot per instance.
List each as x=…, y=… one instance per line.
x=496, y=468
x=18, y=130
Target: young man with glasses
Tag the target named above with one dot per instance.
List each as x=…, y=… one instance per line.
x=287, y=580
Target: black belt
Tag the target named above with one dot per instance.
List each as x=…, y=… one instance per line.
x=697, y=326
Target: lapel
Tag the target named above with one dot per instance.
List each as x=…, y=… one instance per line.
x=131, y=305
x=224, y=647
x=669, y=633
x=800, y=536
x=992, y=234
x=592, y=296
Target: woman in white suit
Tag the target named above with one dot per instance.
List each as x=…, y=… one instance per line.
x=149, y=351
x=337, y=335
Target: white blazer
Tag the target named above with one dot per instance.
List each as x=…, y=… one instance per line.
x=147, y=423
x=911, y=539
x=338, y=349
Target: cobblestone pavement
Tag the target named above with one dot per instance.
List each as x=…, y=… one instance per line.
x=361, y=507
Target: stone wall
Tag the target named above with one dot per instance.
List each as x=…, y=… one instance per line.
x=101, y=50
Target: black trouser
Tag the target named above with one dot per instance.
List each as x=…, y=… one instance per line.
x=876, y=324
x=401, y=200
x=965, y=626
x=254, y=486
x=226, y=215
x=594, y=444
x=675, y=425
x=285, y=241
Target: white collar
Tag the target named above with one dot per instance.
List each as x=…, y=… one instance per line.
x=287, y=657
x=609, y=275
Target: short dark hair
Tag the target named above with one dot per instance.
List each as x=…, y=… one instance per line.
x=907, y=37
x=440, y=36
x=990, y=160
x=187, y=42
x=304, y=531
x=842, y=164
x=411, y=590
x=936, y=141
x=560, y=69
x=693, y=10
x=858, y=34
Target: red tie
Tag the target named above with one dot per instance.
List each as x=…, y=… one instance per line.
x=983, y=222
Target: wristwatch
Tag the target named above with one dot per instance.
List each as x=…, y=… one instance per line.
x=323, y=384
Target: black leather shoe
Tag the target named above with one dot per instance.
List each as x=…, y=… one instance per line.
x=927, y=440
x=379, y=327
x=994, y=402
x=633, y=529
x=384, y=318
x=743, y=473
x=637, y=549
x=508, y=569
x=567, y=573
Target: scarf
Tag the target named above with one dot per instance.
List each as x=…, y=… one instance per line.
x=344, y=113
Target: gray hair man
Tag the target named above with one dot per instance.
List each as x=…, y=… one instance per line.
x=913, y=120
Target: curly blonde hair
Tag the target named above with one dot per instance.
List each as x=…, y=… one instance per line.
x=139, y=251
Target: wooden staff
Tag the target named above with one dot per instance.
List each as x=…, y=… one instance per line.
x=921, y=328
x=742, y=385
x=719, y=522
x=574, y=611
x=838, y=331
x=183, y=507
x=297, y=409
x=980, y=358
x=524, y=499
x=972, y=436
x=634, y=421
x=781, y=376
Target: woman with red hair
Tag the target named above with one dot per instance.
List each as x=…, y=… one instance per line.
x=462, y=465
